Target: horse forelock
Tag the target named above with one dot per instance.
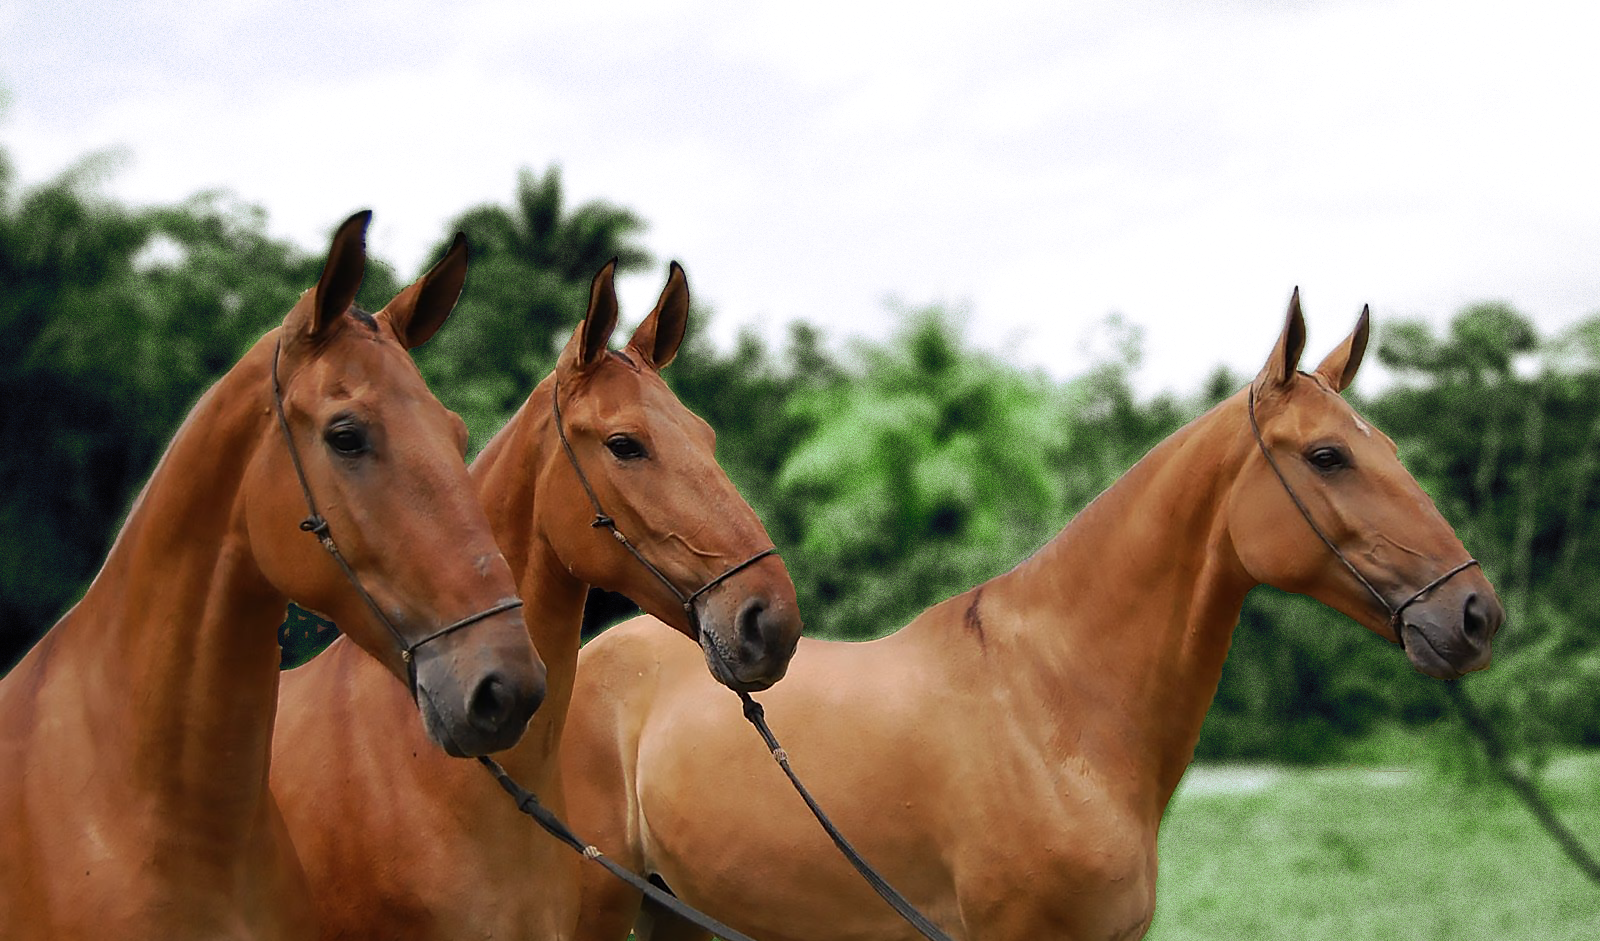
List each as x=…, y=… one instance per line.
x=363, y=316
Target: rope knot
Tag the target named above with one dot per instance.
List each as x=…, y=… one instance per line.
x=315, y=524
x=591, y=852
x=602, y=521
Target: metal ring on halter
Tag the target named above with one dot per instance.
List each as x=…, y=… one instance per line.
x=604, y=521
x=1395, y=611
x=317, y=525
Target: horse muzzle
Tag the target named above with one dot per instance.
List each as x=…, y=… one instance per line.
x=1450, y=636
x=476, y=699
x=750, y=651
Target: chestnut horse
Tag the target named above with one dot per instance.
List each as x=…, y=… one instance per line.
x=1005, y=759
x=135, y=737
x=402, y=842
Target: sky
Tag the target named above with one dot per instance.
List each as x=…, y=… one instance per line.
x=1036, y=165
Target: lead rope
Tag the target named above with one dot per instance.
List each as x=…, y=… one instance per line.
x=317, y=525
x=917, y=920
x=528, y=803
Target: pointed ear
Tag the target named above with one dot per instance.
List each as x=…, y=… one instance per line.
x=658, y=338
x=341, y=276
x=1285, y=359
x=595, y=331
x=419, y=310
x=1339, y=369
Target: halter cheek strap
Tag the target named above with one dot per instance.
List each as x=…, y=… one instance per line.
x=1395, y=611
x=604, y=521
x=317, y=525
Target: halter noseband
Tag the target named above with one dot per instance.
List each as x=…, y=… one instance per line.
x=317, y=525
x=1395, y=611
x=603, y=521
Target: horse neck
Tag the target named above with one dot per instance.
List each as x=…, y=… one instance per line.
x=516, y=477
x=1127, y=615
x=176, y=637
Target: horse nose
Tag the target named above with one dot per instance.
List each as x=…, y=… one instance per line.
x=1480, y=619
x=498, y=708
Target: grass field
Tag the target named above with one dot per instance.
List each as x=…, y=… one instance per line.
x=1369, y=854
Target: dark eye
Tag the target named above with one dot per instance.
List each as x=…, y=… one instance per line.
x=625, y=447
x=347, y=439
x=1328, y=458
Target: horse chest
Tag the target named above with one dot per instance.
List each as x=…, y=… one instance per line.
x=1072, y=863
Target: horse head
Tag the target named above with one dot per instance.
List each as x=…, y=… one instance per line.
x=381, y=463
x=641, y=506
x=1324, y=508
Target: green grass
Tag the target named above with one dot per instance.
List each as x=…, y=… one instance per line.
x=1362, y=854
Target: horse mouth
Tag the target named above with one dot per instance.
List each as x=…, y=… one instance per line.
x=719, y=660
x=435, y=725
x=1426, y=657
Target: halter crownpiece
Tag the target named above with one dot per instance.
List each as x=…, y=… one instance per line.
x=1395, y=611
x=317, y=525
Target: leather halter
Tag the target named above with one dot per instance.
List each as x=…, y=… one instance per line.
x=604, y=521
x=1395, y=611
x=317, y=525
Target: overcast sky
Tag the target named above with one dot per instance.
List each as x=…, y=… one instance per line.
x=1184, y=163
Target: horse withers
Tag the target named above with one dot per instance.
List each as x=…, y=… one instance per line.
x=401, y=842
x=135, y=737
x=1005, y=759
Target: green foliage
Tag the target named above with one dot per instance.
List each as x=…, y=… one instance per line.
x=923, y=471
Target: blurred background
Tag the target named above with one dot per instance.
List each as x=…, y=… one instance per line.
x=954, y=274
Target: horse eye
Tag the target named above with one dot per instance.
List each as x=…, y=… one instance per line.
x=1328, y=458
x=625, y=447
x=348, y=440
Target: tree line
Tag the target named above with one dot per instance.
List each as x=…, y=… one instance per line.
x=891, y=475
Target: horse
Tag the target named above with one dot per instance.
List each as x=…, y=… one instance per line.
x=135, y=736
x=1005, y=759
x=401, y=842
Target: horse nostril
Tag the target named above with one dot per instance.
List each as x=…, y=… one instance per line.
x=1479, y=620
x=492, y=704
x=751, y=624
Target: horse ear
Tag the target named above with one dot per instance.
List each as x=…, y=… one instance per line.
x=1285, y=359
x=658, y=338
x=595, y=331
x=1339, y=369
x=341, y=275
x=422, y=308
